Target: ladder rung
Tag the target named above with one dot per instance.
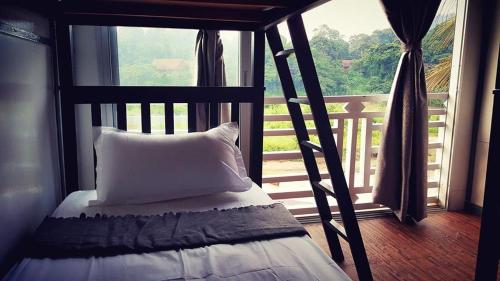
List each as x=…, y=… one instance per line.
x=285, y=53
x=325, y=188
x=299, y=101
x=337, y=227
x=312, y=145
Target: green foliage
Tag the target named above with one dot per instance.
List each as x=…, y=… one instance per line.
x=364, y=64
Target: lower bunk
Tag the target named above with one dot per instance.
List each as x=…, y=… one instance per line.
x=286, y=258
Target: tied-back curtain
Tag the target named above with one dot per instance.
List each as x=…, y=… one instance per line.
x=211, y=72
x=401, y=177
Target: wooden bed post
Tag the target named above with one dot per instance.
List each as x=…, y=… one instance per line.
x=63, y=51
x=257, y=121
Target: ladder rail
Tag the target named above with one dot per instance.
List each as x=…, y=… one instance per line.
x=298, y=122
x=320, y=115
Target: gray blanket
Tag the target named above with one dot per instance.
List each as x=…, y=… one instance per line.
x=108, y=236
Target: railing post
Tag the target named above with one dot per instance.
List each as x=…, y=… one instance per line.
x=340, y=138
x=366, y=150
x=355, y=108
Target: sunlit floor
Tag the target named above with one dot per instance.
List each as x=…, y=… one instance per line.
x=441, y=247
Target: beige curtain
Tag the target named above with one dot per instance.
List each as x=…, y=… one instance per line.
x=211, y=72
x=401, y=177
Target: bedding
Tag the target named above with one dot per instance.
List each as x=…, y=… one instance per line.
x=291, y=258
x=103, y=235
x=136, y=168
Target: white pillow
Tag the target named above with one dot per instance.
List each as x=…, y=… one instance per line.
x=134, y=168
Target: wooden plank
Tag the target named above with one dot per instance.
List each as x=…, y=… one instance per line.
x=325, y=188
x=292, y=177
x=366, y=150
x=257, y=122
x=443, y=248
x=338, y=228
x=285, y=155
x=290, y=132
x=285, y=53
x=146, y=117
x=290, y=194
x=312, y=145
x=169, y=118
x=356, y=98
x=352, y=139
x=153, y=94
x=350, y=115
x=340, y=138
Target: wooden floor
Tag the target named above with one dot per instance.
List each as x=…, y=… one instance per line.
x=441, y=247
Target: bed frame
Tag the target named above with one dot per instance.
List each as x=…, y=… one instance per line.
x=257, y=16
x=253, y=15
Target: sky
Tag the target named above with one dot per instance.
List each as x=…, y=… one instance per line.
x=349, y=17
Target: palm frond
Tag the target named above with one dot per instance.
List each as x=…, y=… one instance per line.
x=438, y=76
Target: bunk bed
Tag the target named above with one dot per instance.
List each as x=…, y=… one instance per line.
x=297, y=258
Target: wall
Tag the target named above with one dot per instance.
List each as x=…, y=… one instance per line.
x=492, y=40
x=29, y=161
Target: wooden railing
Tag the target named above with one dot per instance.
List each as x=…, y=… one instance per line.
x=357, y=127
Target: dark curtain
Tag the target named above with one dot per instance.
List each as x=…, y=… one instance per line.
x=211, y=72
x=401, y=177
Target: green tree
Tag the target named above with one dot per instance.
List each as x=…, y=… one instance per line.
x=377, y=65
x=329, y=42
x=359, y=43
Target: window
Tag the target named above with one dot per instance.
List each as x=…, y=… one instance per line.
x=166, y=57
x=356, y=55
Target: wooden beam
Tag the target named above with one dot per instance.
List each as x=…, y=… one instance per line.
x=146, y=117
x=68, y=118
x=148, y=21
x=152, y=94
x=274, y=17
x=121, y=116
x=257, y=121
x=169, y=118
x=164, y=11
x=245, y=3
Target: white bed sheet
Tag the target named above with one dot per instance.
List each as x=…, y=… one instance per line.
x=294, y=258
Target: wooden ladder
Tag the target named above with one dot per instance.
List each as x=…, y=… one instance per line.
x=327, y=146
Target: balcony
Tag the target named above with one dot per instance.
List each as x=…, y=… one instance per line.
x=356, y=123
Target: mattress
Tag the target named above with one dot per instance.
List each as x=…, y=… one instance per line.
x=293, y=258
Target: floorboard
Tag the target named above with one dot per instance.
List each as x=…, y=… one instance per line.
x=441, y=247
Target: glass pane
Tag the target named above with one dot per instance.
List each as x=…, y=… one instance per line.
x=166, y=56
x=157, y=118
x=134, y=117
x=156, y=56
x=356, y=53
x=438, y=49
x=180, y=118
x=231, y=43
